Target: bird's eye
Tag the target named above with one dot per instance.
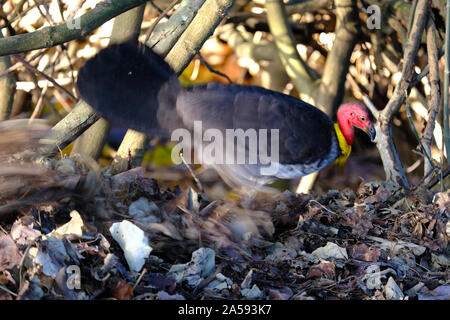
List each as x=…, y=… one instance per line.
x=363, y=118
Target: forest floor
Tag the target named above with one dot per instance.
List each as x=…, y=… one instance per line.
x=378, y=242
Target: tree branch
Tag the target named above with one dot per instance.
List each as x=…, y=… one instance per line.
x=385, y=144
x=201, y=28
x=27, y=65
x=308, y=6
x=54, y=35
x=435, y=94
x=69, y=128
x=295, y=67
x=398, y=97
x=167, y=34
x=332, y=84
x=161, y=16
x=7, y=87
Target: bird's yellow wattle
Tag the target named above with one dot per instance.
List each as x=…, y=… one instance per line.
x=346, y=149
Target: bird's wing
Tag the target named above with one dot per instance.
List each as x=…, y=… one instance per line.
x=305, y=132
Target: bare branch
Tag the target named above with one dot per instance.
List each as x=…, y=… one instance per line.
x=332, y=84
x=7, y=87
x=435, y=94
x=161, y=16
x=69, y=128
x=295, y=67
x=166, y=35
x=54, y=35
x=371, y=107
x=212, y=70
x=308, y=6
x=201, y=28
x=398, y=97
x=385, y=144
x=45, y=76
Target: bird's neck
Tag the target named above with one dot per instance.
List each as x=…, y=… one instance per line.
x=346, y=128
x=346, y=148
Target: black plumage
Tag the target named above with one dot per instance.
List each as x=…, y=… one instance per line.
x=132, y=86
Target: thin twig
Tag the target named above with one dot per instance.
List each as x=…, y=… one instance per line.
x=156, y=7
x=210, y=278
x=435, y=95
x=62, y=101
x=161, y=16
x=19, y=64
x=39, y=105
x=9, y=291
x=46, y=15
x=426, y=70
x=64, y=50
x=435, y=180
x=18, y=12
x=42, y=74
x=371, y=106
x=408, y=114
x=213, y=70
x=411, y=15
x=421, y=182
x=144, y=271
x=371, y=68
x=197, y=181
x=22, y=261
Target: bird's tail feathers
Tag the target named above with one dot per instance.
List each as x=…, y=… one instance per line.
x=129, y=84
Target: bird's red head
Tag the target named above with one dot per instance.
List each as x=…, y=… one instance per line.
x=352, y=115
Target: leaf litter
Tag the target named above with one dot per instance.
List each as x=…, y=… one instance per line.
x=377, y=243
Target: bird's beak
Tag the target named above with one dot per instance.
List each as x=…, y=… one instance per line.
x=370, y=130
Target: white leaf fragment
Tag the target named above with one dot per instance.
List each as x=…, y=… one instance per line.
x=397, y=246
x=331, y=250
x=74, y=227
x=201, y=266
x=133, y=242
x=392, y=290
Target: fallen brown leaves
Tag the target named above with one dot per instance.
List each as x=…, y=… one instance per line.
x=378, y=243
